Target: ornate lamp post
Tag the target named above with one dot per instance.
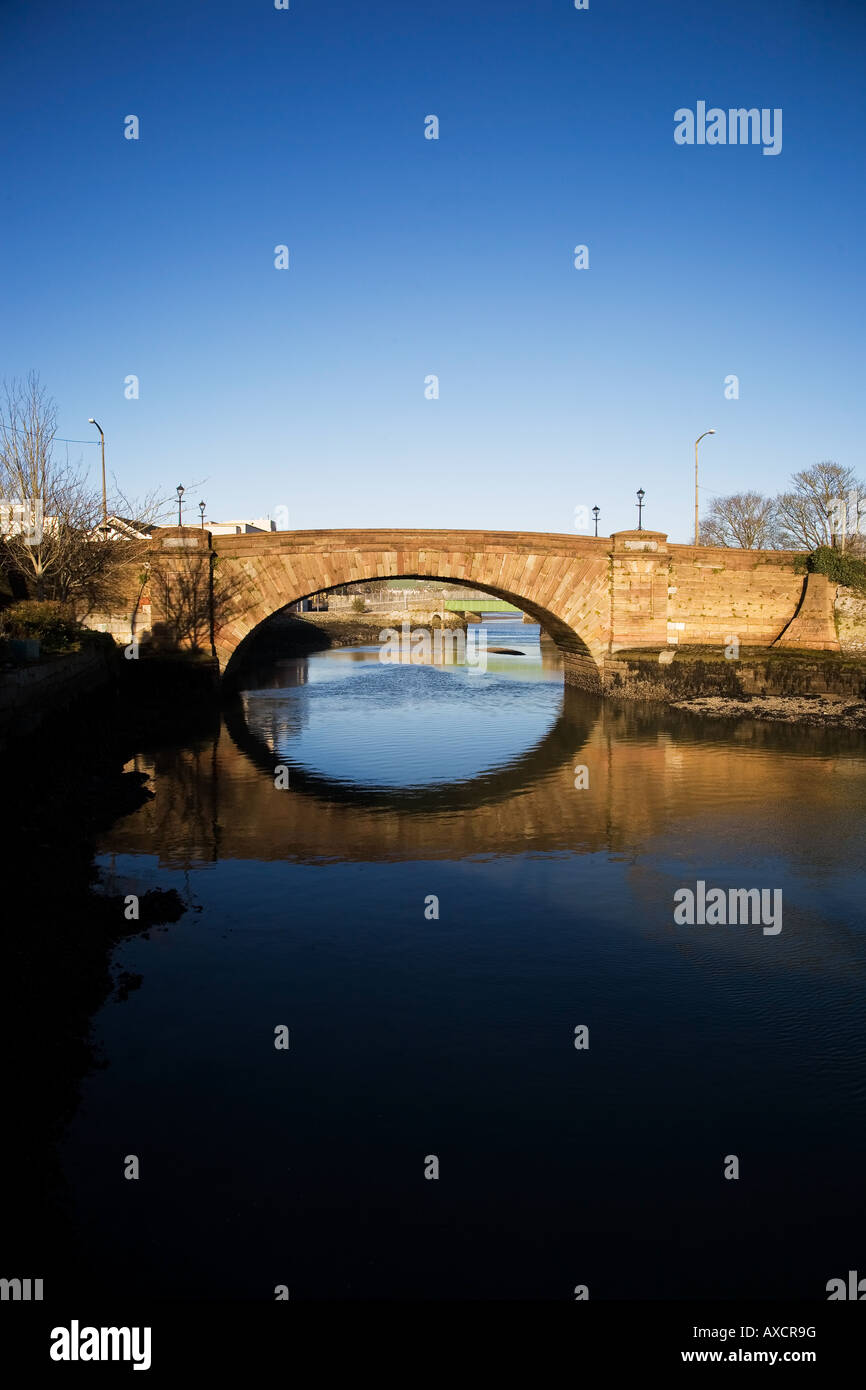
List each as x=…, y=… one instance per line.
x=595, y=518
x=180, y=491
x=201, y=509
x=640, y=496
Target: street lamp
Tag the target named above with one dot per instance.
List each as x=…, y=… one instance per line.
x=697, y=522
x=201, y=509
x=91, y=421
x=595, y=518
x=640, y=496
x=180, y=491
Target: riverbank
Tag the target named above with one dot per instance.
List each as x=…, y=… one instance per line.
x=362, y=629
x=294, y=634
x=34, y=692
x=817, y=711
x=786, y=686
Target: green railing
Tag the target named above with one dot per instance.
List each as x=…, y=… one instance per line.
x=479, y=605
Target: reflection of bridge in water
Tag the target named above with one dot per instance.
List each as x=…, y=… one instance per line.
x=218, y=801
x=461, y=795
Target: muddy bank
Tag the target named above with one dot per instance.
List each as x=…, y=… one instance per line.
x=362, y=629
x=825, y=711
x=786, y=686
x=359, y=630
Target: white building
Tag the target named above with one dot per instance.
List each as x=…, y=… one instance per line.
x=241, y=528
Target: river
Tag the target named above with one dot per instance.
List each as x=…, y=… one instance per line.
x=460, y=913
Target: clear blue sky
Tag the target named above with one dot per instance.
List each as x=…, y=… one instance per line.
x=305, y=388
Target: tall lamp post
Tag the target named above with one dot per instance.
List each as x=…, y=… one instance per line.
x=201, y=508
x=91, y=421
x=697, y=521
x=595, y=518
x=640, y=496
x=180, y=491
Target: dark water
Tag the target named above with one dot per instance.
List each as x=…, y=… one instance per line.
x=413, y=1036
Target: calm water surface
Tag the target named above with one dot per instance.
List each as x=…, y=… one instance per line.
x=413, y=1036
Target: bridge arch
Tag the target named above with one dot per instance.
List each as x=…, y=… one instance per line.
x=562, y=582
x=581, y=665
x=566, y=593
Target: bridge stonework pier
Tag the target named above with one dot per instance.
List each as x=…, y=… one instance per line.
x=640, y=578
x=594, y=596
x=181, y=588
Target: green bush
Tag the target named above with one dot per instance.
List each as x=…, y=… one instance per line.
x=49, y=622
x=840, y=567
x=358, y=605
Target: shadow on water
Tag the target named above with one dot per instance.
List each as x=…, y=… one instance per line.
x=62, y=928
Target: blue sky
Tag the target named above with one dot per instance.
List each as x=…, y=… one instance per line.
x=408, y=257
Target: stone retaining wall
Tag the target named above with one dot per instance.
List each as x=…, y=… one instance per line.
x=718, y=592
x=851, y=621
x=123, y=627
x=635, y=675
x=30, y=693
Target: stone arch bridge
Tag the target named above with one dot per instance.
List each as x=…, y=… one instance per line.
x=594, y=596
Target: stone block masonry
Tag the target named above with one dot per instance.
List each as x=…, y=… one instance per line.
x=850, y=611
x=593, y=595
x=716, y=593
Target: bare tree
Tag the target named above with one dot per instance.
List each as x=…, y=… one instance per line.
x=809, y=513
x=73, y=561
x=29, y=476
x=744, y=519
